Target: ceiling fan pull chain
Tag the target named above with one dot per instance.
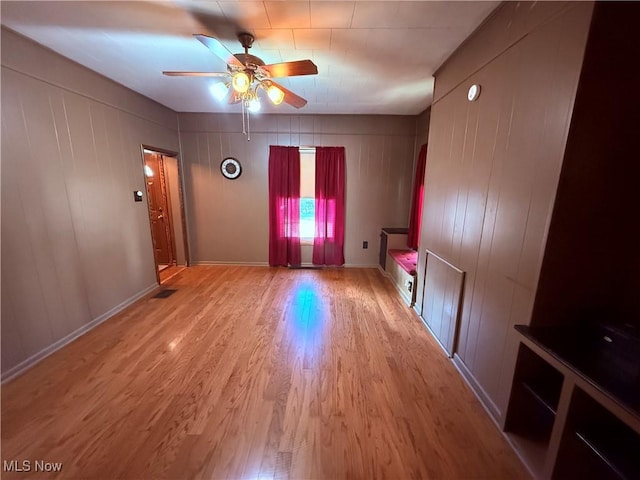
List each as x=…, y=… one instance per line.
x=248, y=128
x=244, y=130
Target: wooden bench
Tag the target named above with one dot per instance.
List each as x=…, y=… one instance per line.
x=401, y=267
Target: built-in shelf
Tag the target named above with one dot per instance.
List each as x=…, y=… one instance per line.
x=532, y=408
x=603, y=355
x=617, y=446
x=544, y=393
x=609, y=461
x=533, y=452
x=597, y=443
x=588, y=433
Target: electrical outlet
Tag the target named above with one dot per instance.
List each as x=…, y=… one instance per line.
x=365, y=244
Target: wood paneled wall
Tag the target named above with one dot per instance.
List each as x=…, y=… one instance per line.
x=75, y=247
x=591, y=267
x=492, y=171
x=228, y=220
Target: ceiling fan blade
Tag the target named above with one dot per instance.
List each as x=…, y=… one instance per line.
x=219, y=50
x=217, y=23
x=196, y=74
x=290, y=97
x=290, y=69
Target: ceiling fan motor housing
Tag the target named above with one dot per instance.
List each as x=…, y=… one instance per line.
x=246, y=40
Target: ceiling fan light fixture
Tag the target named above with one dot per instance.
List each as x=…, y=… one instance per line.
x=219, y=91
x=246, y=74
x=254, y=105
x=241, y=82
x=275, y=94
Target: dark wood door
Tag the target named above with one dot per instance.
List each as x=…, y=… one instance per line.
x=159, y=214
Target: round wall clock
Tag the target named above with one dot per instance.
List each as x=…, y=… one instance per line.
x=231, y=168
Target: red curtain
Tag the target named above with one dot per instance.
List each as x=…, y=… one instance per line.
x=328, y=244
x=416, y=205
x=284, y=206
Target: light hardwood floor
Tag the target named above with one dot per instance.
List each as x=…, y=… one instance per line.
x=256, y=372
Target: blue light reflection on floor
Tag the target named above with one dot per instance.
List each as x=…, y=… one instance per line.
x=306, y=317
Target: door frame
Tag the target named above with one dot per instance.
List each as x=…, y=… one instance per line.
x=183, y=218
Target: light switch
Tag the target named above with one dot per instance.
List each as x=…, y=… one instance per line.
x=137, y=195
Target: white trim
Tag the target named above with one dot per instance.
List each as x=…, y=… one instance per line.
x=398, y=276
x=403, y=294
x=491, y=408
x=429, y=252
x=266, y=264
x=54, y=347
x=435, y=337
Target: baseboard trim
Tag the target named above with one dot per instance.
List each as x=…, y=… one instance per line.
x=485, y=401
x=491, y=409
x=266, y=264
x=25, y=365
x=435, y=337
x=402, y=293
x=245, y=264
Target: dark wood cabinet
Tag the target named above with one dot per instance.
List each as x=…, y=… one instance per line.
x=574, y=408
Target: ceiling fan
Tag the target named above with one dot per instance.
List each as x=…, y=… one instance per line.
x=247, y=74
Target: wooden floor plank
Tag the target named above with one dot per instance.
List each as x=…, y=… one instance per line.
x=255, y=372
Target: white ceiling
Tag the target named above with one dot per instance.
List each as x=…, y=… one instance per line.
x=373, y=57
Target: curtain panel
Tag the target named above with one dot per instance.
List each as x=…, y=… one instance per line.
x=328, y=244
x=413, y=238
x=284, y=206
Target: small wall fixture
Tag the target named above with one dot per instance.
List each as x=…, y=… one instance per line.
x=473, y=93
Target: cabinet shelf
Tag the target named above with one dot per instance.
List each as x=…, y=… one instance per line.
x=611, y=464
x=532, y=408
x=532, y=451
x=615, y=444
x=596, y=444
x=544, y=393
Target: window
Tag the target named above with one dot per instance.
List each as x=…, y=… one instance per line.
x=307, y=195
x=307, y=218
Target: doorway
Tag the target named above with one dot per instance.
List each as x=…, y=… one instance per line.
x=166, y=211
